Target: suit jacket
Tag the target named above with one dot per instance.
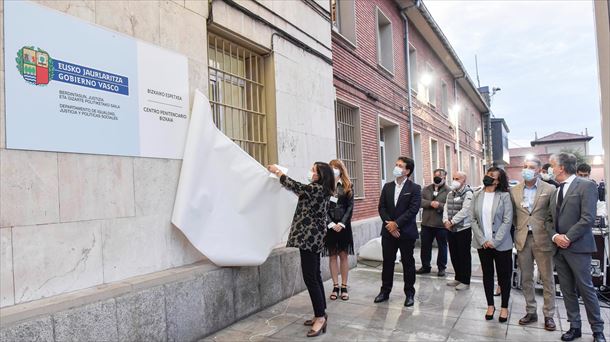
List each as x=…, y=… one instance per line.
x=577, y=215
x=433, y=217
x=404, y=212
x=542, y=230
x=502, y=211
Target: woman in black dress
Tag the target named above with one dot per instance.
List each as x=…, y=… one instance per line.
x=339, y=240
x=307, y=233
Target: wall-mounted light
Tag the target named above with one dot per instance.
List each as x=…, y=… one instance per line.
x=426, y=79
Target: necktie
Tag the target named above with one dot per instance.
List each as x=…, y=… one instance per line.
x=558, y=207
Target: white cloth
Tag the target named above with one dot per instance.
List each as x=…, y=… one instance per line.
x=226, y=204
x=397, y=190
x=487, y=215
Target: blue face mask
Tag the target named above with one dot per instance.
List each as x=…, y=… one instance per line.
x=397, y=172
x=528, y=175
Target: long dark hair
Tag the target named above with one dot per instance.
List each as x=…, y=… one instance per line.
x=326, y=177
x=502, y=178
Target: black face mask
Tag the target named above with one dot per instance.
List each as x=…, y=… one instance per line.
x=438, y=180
x=488, y=180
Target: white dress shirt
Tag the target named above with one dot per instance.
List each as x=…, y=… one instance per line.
x=398, y=189
x=487, y=215
x=566, y=185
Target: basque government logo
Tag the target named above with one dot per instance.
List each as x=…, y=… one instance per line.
x=38, y=68
x=33, y=65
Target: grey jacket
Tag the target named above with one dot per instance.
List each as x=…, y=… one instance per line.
x=457, y=209
x=433, y=217
x=577, y=215
x=502, y=211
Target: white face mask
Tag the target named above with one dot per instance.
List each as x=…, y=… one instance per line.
x=545, y=176
x=455, y=185
x=336, y=172
x=397, y=172
x=310, y=175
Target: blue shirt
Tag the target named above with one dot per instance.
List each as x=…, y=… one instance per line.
x=529, y=195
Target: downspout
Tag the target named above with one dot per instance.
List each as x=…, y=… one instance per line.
x=457, y=123
x=408, y=76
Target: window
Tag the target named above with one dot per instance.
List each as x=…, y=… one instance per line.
x=343, y=16
x=237, y=95
x=430, y=85
x=385, y=49
x=348, y=144
x=433, y=155
x=448, y=167
x=413, y=68
x=460, y=163
x=444, y=98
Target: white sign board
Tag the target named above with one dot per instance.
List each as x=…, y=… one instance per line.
x=72, y=86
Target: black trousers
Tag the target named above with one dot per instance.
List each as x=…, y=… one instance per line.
x=504, y=270
x=459, y=249
x=390, y=246
x=310, y=266
x=428, y=234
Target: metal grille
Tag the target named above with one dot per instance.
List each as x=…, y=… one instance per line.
x=348, y=144
x=237, y=95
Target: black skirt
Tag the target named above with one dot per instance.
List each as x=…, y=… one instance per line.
x=335, y=243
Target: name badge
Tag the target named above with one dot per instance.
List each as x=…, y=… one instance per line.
x=334, y=199
x=435, y=193
x=457, y=198
x=525, y=205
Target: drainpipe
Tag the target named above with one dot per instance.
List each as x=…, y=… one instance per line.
x=457, y=123
x=408, y=76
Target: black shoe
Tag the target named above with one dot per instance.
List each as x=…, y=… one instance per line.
x=382, y=297
x=409, y=301
x=441, y=273
x=571, y=334
x=598, y=337
x=423, y=270
x=490, y=317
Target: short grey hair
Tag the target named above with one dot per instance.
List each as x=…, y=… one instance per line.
x=567, y=160
x=534, y=160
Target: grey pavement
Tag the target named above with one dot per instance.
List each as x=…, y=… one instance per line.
x=440, y=313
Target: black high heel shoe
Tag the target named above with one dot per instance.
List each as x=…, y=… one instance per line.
x=490, y=317
x=314, y=333
x=344, y=294
x=503, y=319
x=336, y=292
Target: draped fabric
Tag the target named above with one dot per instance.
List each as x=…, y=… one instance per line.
x=227, y=204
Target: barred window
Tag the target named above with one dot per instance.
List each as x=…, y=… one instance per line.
x=348, y=144
x=237, y=95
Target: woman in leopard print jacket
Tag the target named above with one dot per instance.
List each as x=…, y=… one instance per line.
x=308, y=230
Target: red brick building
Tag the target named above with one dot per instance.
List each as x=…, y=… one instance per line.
x=383, y=75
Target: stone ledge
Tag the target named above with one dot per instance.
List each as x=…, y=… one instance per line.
x=199, y=300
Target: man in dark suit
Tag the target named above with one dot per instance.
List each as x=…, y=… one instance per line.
x=398, y=206
x=572, y=209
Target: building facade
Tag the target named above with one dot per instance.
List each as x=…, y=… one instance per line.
x=400, y=90
x=87, y=249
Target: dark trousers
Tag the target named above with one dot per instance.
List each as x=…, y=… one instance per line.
x=461, y=259
x=573, y=270
x=428, y=234
x=310, y=265
x=504, y=269
x=390, y=246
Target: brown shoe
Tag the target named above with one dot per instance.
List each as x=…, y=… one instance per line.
x=549, y=324
x=528, y=318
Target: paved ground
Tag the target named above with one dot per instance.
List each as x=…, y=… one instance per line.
x=440, y=314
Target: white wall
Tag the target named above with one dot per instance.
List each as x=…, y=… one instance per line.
x=71, y=221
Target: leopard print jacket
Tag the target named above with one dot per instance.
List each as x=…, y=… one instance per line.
x=310, y=219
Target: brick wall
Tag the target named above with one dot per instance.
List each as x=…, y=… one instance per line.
x=356, y=73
